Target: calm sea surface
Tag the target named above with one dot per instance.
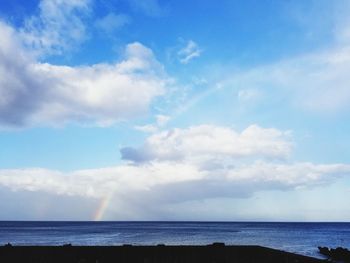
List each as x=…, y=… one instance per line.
x=302, y=238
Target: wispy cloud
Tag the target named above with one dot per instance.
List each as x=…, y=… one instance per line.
x=112, y=22
x=160, y=122
x=189, y=52
x=148, y=7
x=316, y=82
x=59, y=26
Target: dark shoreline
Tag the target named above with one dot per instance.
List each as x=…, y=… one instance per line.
x=217, y=252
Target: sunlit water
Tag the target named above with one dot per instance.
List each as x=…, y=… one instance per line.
x=302, y=238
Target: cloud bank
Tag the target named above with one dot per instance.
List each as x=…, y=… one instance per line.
x=193, y=182
x=199, y=163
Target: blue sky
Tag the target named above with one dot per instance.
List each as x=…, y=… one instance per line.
x=166, y=110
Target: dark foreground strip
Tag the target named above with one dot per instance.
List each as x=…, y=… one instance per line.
x=336, y=254
x=218, y=253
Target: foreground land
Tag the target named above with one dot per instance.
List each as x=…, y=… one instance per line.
x=101, y=254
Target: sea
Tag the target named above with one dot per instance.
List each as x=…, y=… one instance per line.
x=302, y=238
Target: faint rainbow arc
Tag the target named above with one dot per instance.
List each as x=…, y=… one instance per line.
x=102, y=207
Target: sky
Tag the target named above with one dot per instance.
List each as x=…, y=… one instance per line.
x=175, y=110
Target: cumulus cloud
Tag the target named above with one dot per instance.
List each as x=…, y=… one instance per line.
x=199, y=163
x=41, y=93
x=208, y=142
x=59, y=26
x=103, y=92
x=36, y=93
x=17, y=83
x=189, y=52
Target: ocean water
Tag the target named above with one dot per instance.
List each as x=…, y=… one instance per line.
x=302, y=238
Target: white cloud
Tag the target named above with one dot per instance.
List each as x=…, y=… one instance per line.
x=162, y=183
x=97, y=182
x=189, y=52
x=34, y=93
x=208, y=142
x=148, y=128
x=112, y=22
x=289, y=175
x=209, y=168
x=103, y=92
x=16, y=80
x=59, y=26
x=41, y=93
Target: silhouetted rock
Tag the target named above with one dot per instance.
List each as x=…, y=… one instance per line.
x=218, y=244
x=340, y=254
x=67, y=245
x=324, y=251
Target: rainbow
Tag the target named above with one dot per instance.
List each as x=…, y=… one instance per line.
x=102, y=207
